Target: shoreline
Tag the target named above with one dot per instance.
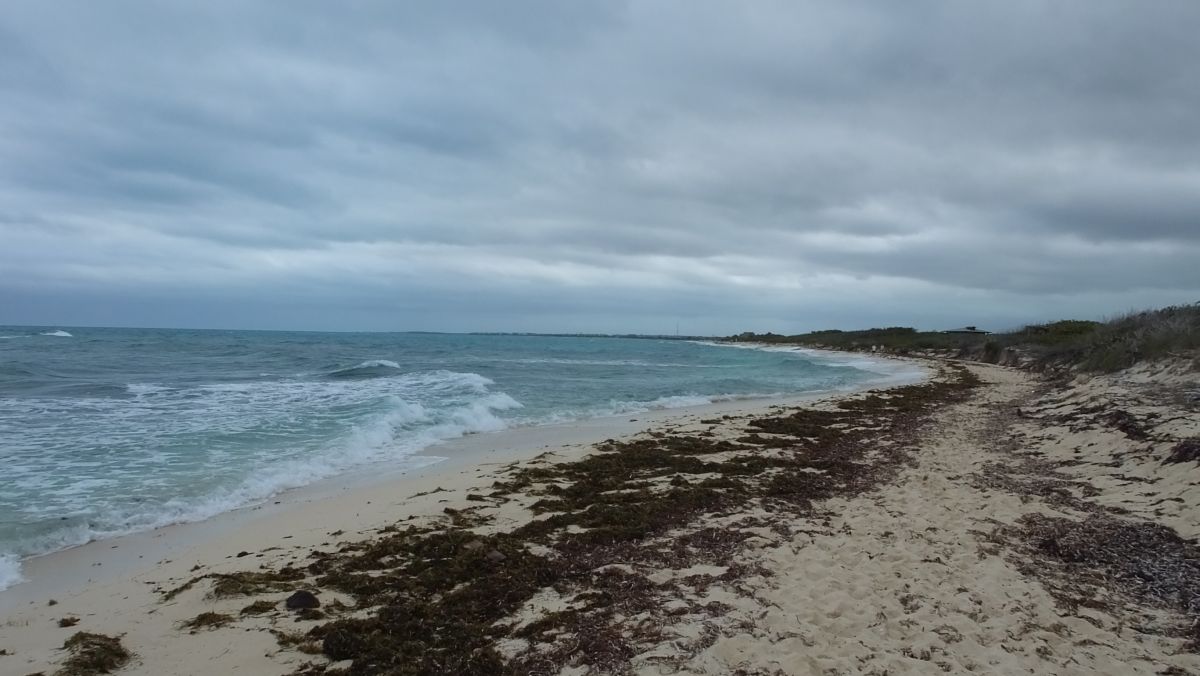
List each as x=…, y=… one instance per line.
x=66, y=570
x=431, y=459
x=59, y=569
x=900, y=529
x=110, y=583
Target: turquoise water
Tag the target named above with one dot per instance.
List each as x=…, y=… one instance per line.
x=110, y=431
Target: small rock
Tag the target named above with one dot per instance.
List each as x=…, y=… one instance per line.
x=302, y=599
x=495, y=556
x=472, y=545
x=241, y=554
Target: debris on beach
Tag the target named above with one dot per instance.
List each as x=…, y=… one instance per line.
x=1104, y=561
x=208, y=620
x=246, y=583
x=1187, y=450
x=258, y=608
x=93, y=654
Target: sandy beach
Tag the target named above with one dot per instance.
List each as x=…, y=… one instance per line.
x=599, y=338
x=987, y=521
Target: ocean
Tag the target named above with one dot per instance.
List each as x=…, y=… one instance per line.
x=105, y=432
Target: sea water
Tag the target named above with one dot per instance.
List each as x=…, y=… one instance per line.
x=105, y=432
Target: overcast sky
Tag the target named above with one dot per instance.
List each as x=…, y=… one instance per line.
x=596, y=166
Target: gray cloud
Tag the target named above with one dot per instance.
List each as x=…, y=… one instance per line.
x=596, y=166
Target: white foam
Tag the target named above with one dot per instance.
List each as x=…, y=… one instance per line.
x=378, y=363
x=456, y=404
x=60, y=333
x=397, y=435
x=887, y=370
x=10, y=571
x=367, y=368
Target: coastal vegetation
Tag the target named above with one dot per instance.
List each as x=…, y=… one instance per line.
x=1106, y=346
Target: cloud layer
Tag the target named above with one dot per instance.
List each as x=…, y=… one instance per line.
x=596, y=166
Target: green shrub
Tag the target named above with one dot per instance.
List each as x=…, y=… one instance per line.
x=1091, y=346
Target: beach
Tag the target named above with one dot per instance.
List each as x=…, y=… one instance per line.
x=987, y=520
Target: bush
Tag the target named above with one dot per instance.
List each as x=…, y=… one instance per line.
x=1091, y=346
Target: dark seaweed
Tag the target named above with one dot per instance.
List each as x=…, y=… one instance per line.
x=437, y=600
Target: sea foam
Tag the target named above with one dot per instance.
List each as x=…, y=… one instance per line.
x=10, y=571
x=410, y=413
x=60, y=333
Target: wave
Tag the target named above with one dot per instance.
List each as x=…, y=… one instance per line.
x=143, y=389
x=60, y=333
x=367, y=369
x=10, y=571
x=452, y=404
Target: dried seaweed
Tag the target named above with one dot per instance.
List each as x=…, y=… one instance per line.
x=258, y=608
x=1187, y=450
x=208, y=620
x=247, y=583
x=1085, y=563
x=93, y=654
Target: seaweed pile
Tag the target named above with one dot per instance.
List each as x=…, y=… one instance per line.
x=608, y=550
x=1104, y=558
x=93, y=654
x=1187, y=450
x=1103, y=561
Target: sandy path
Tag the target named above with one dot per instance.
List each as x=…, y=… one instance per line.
x=905, y=581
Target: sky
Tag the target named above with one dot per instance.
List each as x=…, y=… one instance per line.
x=596, y=166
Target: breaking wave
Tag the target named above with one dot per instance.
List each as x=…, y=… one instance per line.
x=367, y=369
x=382, y=420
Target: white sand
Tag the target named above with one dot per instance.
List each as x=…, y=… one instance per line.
x=901, y=583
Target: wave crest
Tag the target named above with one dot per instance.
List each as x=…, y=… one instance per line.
x=367, y=369
x=395, y=420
